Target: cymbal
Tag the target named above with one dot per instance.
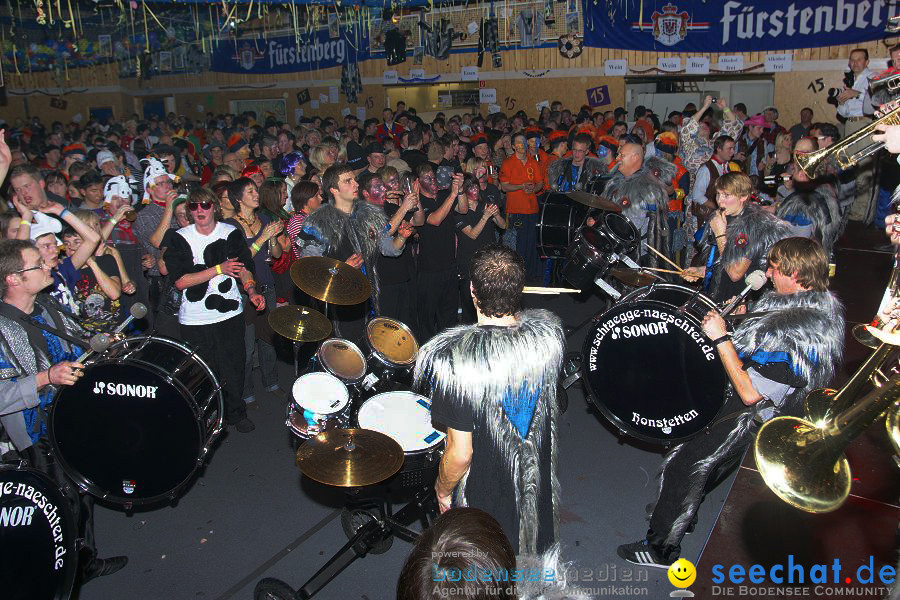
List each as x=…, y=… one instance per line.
x=633, y=277
x=330, y=280
x=299, y=323
x=594, y=201
x=349, y=457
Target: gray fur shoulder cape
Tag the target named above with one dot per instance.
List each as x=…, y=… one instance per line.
x=751, y=234
x=480, y=366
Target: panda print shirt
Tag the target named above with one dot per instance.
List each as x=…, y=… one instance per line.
x=191, y=252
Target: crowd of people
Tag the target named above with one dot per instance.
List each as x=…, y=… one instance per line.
x=202, y=220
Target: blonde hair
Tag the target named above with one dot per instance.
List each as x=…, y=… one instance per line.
x=736, y=183
x=803, y=257
x=473, y=163
x=317, y=158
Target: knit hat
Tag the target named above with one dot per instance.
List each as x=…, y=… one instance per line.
x=478, y=138
x=104, y=156
x=73, y=149
x=236, y=142
x=667, y=142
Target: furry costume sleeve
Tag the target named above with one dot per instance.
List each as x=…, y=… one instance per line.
x=807, y=326
x=482, y=367
x=807, y=330
x=661, y=168
x=819, y=208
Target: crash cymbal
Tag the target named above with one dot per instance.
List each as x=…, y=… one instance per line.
x=633, y=277
x=594, y=201
x=330, y=280
x=863, y=336
x=300, y=323
x=349, y=457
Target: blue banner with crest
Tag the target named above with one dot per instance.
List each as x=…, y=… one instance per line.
x=734, y=25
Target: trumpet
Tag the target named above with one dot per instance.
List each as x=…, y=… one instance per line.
x=803, y=461
x=893, y=25
x=889, y=78
x=849, y=150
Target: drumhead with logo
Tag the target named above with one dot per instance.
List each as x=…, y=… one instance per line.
x=651, y=370
x=343, y=359
x=404, y=416
x=392, y=340
x=37, y=537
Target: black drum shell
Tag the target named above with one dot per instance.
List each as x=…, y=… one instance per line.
x=650, y=369
x=559, y=221
x=38, y=562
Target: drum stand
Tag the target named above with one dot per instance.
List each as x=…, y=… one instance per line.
x=375, y=536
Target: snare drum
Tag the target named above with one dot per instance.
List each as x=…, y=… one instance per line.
x=343, y=359
x=649, y=367
x=37, y=534
x=321, y=402
x=393, y=349
x=406, y=417
x=139, y=422
x=597, y=248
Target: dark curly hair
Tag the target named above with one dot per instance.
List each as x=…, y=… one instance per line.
x=498, y=276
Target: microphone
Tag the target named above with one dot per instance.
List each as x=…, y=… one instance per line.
x=755, y=280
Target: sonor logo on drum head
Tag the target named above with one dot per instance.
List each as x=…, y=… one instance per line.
x=128, y=485
x=634, y=331
x=125, y=389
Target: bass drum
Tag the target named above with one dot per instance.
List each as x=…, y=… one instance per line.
x=139, y=422
x=649, y=367
x=37, y=535
x=560, y=219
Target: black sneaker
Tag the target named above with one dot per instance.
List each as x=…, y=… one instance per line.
x=100, y=567
x=641, y=553
x=245, y=425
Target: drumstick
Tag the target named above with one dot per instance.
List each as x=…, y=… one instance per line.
x=548, y=290
x=661, y=270
x=664, y=257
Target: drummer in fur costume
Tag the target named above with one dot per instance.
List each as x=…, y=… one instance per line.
x=351, y=230
x=772, y=361
x=739, y=235
x=493, y=385
x=638, y=187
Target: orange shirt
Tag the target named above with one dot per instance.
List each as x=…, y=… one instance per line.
x=515, y=172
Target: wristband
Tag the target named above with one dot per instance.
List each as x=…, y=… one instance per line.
x=114, y=221
x=250, y=284
x=255, y=246
x=721, y=236
x=24, y=222
x=219, y=269
x=724, y=338
x=63, y=213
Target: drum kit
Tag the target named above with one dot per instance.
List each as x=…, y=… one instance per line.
x=356, y=423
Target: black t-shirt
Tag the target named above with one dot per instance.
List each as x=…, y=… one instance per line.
x=489, y=485
x=98, y=312
x=492, y=195
x=396, y=269
x=414, y=158
x=437, y=244
x=466, y=246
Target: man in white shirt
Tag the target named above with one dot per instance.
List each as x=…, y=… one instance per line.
x=855, y=105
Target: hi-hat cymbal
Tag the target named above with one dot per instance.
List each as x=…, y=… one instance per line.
x=594, y=201
x=349, y=457
x=330, y=280
x=633, y=277
x=300, y=323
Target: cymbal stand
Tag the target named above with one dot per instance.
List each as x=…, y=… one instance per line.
x=422, y=507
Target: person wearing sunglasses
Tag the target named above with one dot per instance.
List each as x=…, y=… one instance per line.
x=210, y=262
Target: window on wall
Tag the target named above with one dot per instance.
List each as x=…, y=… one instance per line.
x=663, y=95
x=275, y=107
x=428, y=100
